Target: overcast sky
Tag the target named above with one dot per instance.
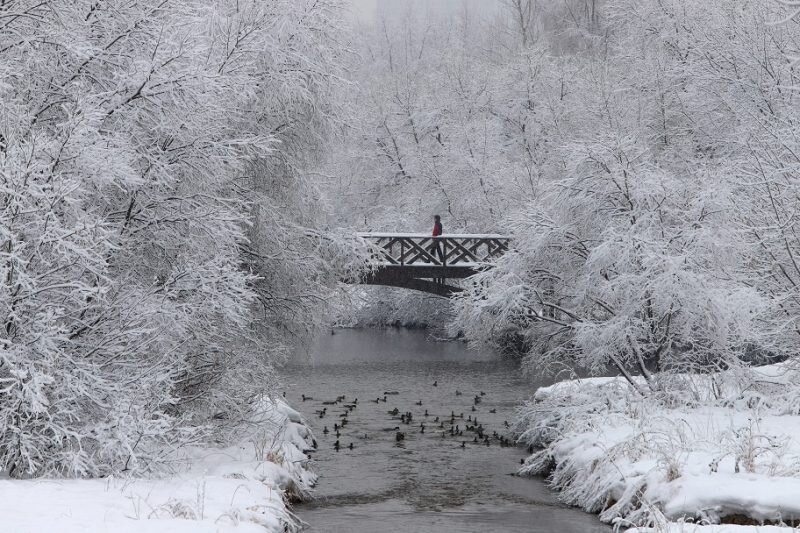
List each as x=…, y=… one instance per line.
x=369, y=10
x=364, y=9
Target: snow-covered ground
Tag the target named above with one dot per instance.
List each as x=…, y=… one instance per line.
x=714, y=449
x=243, y=488
x=671, y=527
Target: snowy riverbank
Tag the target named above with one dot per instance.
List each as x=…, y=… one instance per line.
x=723, y=448
x=241, y=488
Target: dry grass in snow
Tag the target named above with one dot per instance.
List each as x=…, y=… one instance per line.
x=702, y=450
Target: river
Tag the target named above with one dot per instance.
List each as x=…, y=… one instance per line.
x=430, y=481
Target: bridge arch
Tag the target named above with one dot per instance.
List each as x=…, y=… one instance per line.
x=421, y=262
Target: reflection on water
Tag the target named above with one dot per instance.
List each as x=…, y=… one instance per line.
x=430, y=481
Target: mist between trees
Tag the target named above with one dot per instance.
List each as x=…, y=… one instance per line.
x=170, y=171
x=643, y=155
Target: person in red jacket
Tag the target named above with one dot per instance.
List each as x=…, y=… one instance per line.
x=436, y=247
x=437, y=225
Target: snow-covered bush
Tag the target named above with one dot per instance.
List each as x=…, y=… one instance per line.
x=135, y=148
x=636, y=461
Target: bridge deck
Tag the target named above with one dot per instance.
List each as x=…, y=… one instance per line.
x=421, y=262
x=373, y=235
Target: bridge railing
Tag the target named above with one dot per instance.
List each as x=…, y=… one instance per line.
x=467, y=250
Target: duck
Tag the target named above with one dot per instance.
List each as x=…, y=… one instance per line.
x=394, y=412
x=436, y=419
x=377, y=400
x=477, y=400
x=390, y=392
x=306, y=397
x=338, y=434
x=325, y=431
x=492, y=410
x=399, y=436
x=418, y=403
x=384, y=399
x=351, y=446
x=436, y=383
x=422, y=428
x=463, y=444
x=506, y=424
x=336, y=427
x=483, y=393
x=473, y=409
x=458, y=392
x=336, y=445
x=426, y=412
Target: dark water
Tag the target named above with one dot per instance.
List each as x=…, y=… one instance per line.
x=426, y=483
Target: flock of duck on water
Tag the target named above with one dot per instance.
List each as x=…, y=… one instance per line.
x=453, y=425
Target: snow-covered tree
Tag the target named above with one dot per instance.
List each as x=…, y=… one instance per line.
x=662, y=239
x=144, y=151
